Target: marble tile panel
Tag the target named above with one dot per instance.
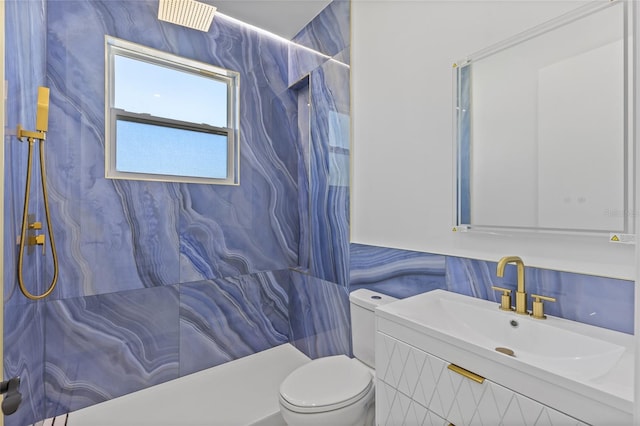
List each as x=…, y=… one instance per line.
x=254, y=227
x=101, y=347
x=475, y=278
x=304, y=248
x=302, y=61
x=225, y=232
x=98, y=216
x=25, y=44
x=325, y=37
x=600, y=301
x=329, y=197
x=344, y=56
x=99, y=222
x=397, y=273
x=319, y=316
x=226, y=319
x=25, y=41
x=240, y=48
x=24, y=357
x=330, y=31
x=135, y=229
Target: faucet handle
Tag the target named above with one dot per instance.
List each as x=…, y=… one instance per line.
x=538, y=307
x=505, y=299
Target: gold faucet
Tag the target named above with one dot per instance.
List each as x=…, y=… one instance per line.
x=521, y=295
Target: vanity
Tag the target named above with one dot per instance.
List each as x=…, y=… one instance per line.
x=447, y=359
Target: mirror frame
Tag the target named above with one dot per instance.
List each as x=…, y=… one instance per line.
x=461, y=213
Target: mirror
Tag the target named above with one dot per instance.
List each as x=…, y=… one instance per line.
x=543, y=127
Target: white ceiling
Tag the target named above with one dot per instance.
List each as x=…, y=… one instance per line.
x=282, y=17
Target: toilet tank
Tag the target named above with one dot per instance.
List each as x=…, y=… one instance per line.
x=362, y=303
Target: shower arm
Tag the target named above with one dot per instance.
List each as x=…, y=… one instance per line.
x=30, y=135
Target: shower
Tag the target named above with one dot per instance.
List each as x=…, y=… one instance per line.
x=29, y=224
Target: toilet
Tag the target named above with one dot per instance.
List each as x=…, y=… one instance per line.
x=338, y=390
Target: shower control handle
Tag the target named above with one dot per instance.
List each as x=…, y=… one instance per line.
x=38, y=240
x=32, y=238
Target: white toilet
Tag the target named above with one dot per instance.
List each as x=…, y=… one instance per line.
x=338, y=390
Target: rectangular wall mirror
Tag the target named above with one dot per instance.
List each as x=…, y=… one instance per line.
x=544, y=137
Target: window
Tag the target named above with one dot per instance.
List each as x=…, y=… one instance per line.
x=169, y=118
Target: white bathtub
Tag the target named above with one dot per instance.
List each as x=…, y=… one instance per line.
x=240, y=392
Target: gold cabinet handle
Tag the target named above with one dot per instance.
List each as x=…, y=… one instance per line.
x=538, y=306
x=466, y=373
x=505, y=299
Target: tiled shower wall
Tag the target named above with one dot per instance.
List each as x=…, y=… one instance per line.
x=25, y=28
x=159, y=280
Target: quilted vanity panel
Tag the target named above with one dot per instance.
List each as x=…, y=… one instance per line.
x=416, y=388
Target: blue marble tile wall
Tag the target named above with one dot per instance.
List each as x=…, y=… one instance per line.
x=319, y=69
x=325, y=38
x=600, y=301
x=329, y=182
x=312, y=58
x=301, y=89
x=25, y=31
x=397, y=273
x=216, y=314
x=154, y=275
x=320, y=318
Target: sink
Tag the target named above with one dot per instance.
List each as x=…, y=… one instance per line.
x=560, y=346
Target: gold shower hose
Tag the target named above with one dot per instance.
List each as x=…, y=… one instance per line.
x=25, y=214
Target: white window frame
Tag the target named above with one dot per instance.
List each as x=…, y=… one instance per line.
x=119, y=47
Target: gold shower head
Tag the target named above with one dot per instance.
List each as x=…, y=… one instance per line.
x=42, y=119
x=188, y=13
x=42, y=110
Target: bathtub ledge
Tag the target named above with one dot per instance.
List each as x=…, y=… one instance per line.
x=240, y=392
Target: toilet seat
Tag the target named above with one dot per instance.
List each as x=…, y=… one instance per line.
x=326, y=384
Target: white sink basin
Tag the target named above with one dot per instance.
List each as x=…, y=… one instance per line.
x=563, y=347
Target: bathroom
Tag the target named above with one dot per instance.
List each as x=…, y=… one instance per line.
x=161, y=280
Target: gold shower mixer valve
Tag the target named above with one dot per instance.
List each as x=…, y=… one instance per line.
x=37, y=240
x=32, y=238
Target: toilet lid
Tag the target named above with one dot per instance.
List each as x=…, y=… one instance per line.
x=326, y=383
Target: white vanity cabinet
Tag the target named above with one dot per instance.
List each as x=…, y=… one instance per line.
x=414, y=387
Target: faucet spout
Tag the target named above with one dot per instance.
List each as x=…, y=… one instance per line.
x=521, y=295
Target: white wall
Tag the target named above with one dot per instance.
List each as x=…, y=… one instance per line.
x=402, y=110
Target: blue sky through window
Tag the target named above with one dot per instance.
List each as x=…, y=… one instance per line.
x=147, y=88
x=148, y=148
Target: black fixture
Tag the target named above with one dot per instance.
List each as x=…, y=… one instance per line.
x=13, y=397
